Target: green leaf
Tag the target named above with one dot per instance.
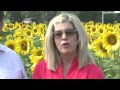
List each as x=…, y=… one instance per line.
x=109, y=76
x=27, y=65
x=3, y=34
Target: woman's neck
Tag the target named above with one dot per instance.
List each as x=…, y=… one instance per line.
x=67, y=59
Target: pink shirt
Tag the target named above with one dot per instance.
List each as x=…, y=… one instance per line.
x=91, y=71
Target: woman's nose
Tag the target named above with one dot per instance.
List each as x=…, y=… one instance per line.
x=64, y=36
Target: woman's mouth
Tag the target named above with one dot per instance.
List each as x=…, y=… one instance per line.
x=65, y=45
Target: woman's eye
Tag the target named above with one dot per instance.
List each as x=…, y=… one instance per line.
x=58, y=34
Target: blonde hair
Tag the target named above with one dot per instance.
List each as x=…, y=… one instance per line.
x=51, y=53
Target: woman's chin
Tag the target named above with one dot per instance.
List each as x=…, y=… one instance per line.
x=66, y=52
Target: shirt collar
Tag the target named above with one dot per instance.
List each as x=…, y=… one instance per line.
x=73, y=66
x=74, y=63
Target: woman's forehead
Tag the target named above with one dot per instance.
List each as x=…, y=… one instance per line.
x=63, y=25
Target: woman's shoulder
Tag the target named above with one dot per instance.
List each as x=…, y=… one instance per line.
x=41, y=63
x=95, y=71
x=93, y=67
x=39, y=70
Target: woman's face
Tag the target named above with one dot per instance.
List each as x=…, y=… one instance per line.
x=65, y=38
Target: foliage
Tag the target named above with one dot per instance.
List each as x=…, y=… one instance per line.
x=105, y=47
x=111, y=68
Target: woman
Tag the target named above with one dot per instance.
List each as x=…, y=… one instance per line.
x=66, y=51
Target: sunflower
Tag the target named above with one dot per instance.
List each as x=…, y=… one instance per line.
x=34, y=59
x=17, y=25
x=101, y=30
x=35, y=31
x=10, y=26
x=5, y=28
x=36, y=55
x=9, y=37
x=93, y=29
x=42, y=39
x=23, y=26
x=111, y=41
x=34, y=24
x=87, y=27
x=100, y=51
x=89, y=41
x=28, y=33
x=37, y=51
x=17, y=34
x=90, y=23
x=115, y=26
x=12, y=45
x=24, y=46
x=28, y=27
x=40, y=31
x=109, y=25
x=98, y=24
x=118, y=26
x=42, y=27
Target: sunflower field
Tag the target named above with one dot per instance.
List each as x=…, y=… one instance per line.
x=27, y=40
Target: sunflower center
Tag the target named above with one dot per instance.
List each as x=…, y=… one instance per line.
x=29, y=27
x=101, y=30
x=93, y=29
x=28, y=33
x=11, y=46
x=35, y=30
x=24, y=45
x=8, y=26
x=102, y=48
x=16, y=36
x=17, y=27
x=22, y=36
x=38, y=53
x=112, y=39
x=89, y=41
x=23, y=26
x=119, y=26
